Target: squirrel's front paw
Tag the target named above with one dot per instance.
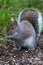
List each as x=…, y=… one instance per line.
x=17, y=48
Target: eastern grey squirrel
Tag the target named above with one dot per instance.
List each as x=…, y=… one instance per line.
x=27, y=30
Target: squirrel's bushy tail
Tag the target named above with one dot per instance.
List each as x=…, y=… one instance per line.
x=35, y=18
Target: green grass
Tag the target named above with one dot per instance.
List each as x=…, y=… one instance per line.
x=11, y=8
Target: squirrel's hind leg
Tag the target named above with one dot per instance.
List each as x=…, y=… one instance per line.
x=31, y=43
x=32, y=47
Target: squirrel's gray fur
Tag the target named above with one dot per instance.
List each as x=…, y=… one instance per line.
x=27, y=27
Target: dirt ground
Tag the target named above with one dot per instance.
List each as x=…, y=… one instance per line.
x=10, y=57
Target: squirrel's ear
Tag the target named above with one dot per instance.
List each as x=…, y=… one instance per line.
x=13, y=20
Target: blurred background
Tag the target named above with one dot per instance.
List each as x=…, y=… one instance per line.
x=11, y=8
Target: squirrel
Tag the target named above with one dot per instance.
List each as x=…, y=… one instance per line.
x=27, y=29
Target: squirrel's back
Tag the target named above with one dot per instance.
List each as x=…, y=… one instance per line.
x=34, y=17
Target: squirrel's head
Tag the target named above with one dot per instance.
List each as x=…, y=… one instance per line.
x=11, y=27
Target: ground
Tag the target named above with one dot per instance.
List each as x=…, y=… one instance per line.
x=10, y=57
